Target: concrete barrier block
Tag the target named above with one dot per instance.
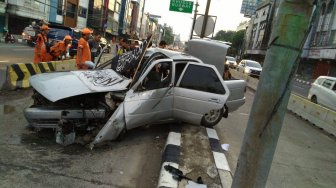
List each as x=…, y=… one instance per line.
x=66, y=65
x=331, y=122
x=44, y=67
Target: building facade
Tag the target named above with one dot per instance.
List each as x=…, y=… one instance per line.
x=21, y=13
x=257, y=34
x=319, y=53
x=3, y=4
x=112, y=17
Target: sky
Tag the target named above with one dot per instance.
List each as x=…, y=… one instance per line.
x=227, y=12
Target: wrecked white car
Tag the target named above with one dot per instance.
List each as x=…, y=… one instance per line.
x=169, y=86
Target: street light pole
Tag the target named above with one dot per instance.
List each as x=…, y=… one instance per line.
x=205, y=21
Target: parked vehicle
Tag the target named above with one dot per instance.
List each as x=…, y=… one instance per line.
x=29, y=35
x=9, y=38
x=231, y=62
x=323, y=91
x=58, y=32
x=103, y=43
x=169, y=86
x=249, y=67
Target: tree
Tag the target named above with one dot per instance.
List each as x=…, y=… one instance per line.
x=226, y=36
x=168, y=35
x=236, y=38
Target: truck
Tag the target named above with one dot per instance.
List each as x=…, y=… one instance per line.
x=168, y=86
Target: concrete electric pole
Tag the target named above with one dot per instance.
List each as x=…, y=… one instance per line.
x=289, y=32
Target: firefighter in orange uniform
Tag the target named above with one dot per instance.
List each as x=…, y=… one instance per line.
x=60, y=49
x=40, y=51
x=83, y=50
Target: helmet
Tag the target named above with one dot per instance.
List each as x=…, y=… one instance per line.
x=44, y=27
x=86, y=31
x=67, y=37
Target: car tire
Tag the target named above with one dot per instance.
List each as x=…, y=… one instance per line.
x=212, y=118
x=313, y=99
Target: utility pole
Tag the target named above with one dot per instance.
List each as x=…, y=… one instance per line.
x=289, y=31
x=205, y=21
x=193, y=25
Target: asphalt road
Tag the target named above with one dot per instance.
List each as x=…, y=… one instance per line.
x=305, y=156
x=300, y=88
x=15, y=53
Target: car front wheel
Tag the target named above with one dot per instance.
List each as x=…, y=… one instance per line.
x=211, y=118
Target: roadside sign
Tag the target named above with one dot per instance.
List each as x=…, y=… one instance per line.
x=181, y=6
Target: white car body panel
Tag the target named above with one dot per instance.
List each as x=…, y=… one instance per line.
x=59, y=85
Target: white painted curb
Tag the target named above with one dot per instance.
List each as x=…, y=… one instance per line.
x=170, y=158
x=220, y=159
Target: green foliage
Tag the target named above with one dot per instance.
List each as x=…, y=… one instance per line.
x=234, y=37
x=168, y=35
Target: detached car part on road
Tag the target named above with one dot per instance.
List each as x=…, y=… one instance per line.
x=170, y=86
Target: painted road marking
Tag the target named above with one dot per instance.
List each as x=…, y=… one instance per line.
x=244, y=114
x=4, y=61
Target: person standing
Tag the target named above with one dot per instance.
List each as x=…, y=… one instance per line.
x=95, y=45
x=227, y=74
x=114, y=46
x=59, y=50
x=83, y=50
x=40, y=51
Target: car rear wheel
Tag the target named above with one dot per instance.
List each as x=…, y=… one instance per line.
x=314, y=99
x=211, y=118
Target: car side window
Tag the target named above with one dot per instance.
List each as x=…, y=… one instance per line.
x=203, y=79
x=327, y=83
x=158, y=77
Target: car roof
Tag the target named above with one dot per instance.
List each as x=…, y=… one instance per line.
x=327, y=77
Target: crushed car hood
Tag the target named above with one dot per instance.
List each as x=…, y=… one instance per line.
x=60, y=85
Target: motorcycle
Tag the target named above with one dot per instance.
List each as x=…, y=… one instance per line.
x=9, y=38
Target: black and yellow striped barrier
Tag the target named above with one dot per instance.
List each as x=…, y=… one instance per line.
x=19, y=73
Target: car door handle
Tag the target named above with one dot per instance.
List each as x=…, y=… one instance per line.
x=213, y=100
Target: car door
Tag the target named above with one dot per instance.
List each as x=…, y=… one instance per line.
x=151, y=97
x=199, y=89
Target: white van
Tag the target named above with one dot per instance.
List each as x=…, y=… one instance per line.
x=323, y=91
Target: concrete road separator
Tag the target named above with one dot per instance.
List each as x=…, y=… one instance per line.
x=171, y=156
x=318, y=115
x=220, y=159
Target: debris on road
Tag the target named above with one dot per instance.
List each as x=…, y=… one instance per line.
x=225, y=147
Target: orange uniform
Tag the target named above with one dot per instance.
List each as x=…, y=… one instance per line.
x=40, y=52
x=59, y=49
x=84, y=55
